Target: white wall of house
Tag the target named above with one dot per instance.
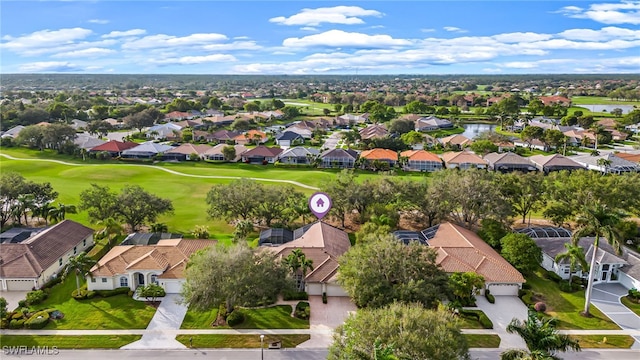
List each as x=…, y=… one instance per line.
x=101, y=283
x=113, y=282
x=56, y=267
x=627, y=281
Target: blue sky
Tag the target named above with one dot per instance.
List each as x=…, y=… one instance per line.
x=320, y=37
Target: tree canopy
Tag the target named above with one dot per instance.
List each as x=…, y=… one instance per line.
x=522, y=252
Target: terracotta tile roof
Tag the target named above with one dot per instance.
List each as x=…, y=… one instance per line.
x=37, y=253
x=250, y=135
x=462, y=157
x=461, y=250
x=420, y=155
x=115, y=146
x=379, y=154
x=629, y=157
x=554, y=160
x=188, y=149
x=169, y=256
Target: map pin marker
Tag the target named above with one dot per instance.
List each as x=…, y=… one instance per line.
x=320, y=204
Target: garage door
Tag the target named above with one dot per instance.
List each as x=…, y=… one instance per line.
x=504, y=289
x=335, y=290
x=314, y=289
x=172, y=287
x=19, y=285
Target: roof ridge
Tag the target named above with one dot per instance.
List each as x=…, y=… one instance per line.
x=319, y=266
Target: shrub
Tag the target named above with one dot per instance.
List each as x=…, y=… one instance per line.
x=526, y=286
x=295, y=295
x=485, y=321
x=79, y=294
x=235, y=318
x=114, y=292
x=303, y=310
x=222, y=311
x=478, y=315
x=51, y=282
x=565, y=286
x=490, y=298
x=37, y=320
x=553, y=276
x=35, y=297
x=16, y=324
x=17, y=315
x=540, y=307
x=324, y=297
x=22, y=303
x=525, y=296
x=634, y=293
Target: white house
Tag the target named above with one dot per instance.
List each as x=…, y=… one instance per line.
x=138, y=265
x=32, y=262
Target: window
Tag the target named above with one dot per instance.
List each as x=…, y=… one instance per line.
x=154, y=279
x=60, y=262
x=84, y=242
x=605, y=267
x=75, y=250
x=566, y=270
x=104, y=280
x=124, y=281
x=93, y=280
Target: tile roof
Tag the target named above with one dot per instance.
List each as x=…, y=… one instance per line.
x=556, y=160
x=461, y=250
x=169, y=256
x=462, y=157
x=250, y=135
x=420, y=155
x=456, y=139
x=629, y=157
x=379, y=154
x=340, y=153
x=37, y=253
x=115, y=146
x=149, y=147
x=188, y=149
x=507, y=158
x=263, y=151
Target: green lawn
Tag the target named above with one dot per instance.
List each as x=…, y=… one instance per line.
x=240, y=341
x=195, y=319
x=482, y=341
x=604, y=342
x=600, y=100
x=635, y=307
x=567, y=306
x=70, y=341
x=115, y=312
x=275, y=317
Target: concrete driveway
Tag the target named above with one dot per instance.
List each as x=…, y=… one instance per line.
x=501, y=313
x=169, y=316
x=606, y=297
x=325, y=318
x=13, y=297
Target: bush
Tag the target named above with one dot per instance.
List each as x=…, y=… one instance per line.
x=553, y=276
x=235, y=318
x=526, y=286
x=37, y=320
x=222, y=311
x=324, y=297
x=525, y=296
x=79, y=294
x=35, y=297
x=485, y=321
x=16, y=324
x=303, y=310
x=295, y=295
x=490, y=298
x=22, y=303
x=53, y=281
x=565, y=286
x=634, y=293
x=540, y=307
x=114, y=292
x=478, y=315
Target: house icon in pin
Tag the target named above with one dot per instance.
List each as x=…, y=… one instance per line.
x=320, y=203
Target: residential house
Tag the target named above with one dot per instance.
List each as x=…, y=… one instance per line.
x=251, y=137
x=114, y=147
x=192, y=123
x=29, y=264
x=323, y=244
x=261, y=155
x=339, y=158
x=138, y=265
x=461, y=250
x=215, y=153
x=304, y=132
x=633, y=157
x=299, y=156
x=147, y=150
x=169, y=131
x=289, y=138
x=148, y=238
x=531, y=144
x=186, y=151
x=118, y=124
x=578, y=137
x=552, y=100
x=555, y=162
x=13, y=132
x=220, y=120
x=552, y=242
x=456, y=141
x=606, y=163
x=508, y=162
x=463, y=160
x=224, y=136
x=375, y=131
x=203, y=136
x=87, y=142
x=78, y=124
x=354, y=119
x=178, y=115
x=370, y=157
x=421, y=160
x=431, y=123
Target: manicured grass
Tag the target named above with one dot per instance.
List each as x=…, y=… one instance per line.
x=599, y=342
x=482, y=341
x=635, y=307
x=240, y=341
x=275, y=317
x=599, y=100
x=567, y=306
x=115, y=312
x=70, y=341
x=195, y=319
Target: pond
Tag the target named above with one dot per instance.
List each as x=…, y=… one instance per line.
x=473, y=130
x=608, y=108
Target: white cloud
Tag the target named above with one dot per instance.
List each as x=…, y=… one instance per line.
x=84, y=53
x=117, y=34
x=48, y=66
x=454, y=29
x=427, y=30
x=190, y=60
x=625, y=12
x=162, y=41
x=604, y=34
x=38, y=41
x=308, y=28
x=518, y=37
x=339, y=38
x=99, y=21
x=345, y=15
x=236, y=45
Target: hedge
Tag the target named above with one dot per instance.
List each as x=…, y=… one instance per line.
x=478, y=315
x=295, y=295
x=35, y=297
x=553, y=276
x=236, y=317
x=37, y=320
x=16, y=324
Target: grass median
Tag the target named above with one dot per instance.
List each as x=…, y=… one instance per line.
x=239, y=341
x=70, y=341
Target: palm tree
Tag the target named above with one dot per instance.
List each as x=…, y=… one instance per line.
x=541, y=337
x=111, y=229
x=59, y=213
x=42, y=212
x=80, y=265
x=601, y=221
x=575, y=255
x=298, y=264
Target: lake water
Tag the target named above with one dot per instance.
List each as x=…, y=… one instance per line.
x=608, y=108
x=473, y=130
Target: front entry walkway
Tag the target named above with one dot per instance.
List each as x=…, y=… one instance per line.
x=160, y=333
x=606, y=297
x=501, y=313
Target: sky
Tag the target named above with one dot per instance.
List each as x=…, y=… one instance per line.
x=320, y=37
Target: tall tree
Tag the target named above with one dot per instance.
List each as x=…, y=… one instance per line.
x=135, y=206
x=541, y=337
x=99, y=201
x=409, y=330
x=238, y=199
x=525, y=192
x=80, y=266
x=521, y=252
x=298, y=265
x=60, y=212
x=600, y=221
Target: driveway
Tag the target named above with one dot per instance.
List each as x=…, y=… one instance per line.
x=13, y=297
x=332, y=140
x=325, y=318
x=169, y=316
x=606, y=297
x=501, y=313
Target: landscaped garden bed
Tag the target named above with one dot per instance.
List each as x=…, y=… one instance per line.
x=274, y=317
x=240, y=341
